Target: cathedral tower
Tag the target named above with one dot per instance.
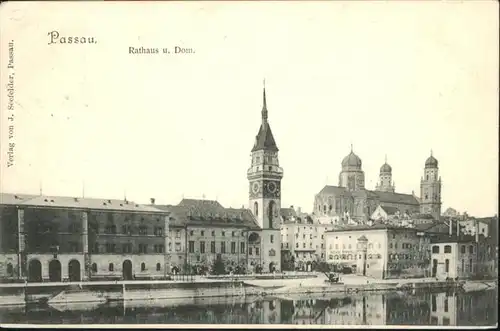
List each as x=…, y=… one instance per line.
x=385, y=183
x=430, y=189
x=264, y=177
x=352, y=176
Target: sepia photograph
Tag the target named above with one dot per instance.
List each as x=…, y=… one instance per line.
x=285, y=164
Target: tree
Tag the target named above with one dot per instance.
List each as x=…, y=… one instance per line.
x=219, y=267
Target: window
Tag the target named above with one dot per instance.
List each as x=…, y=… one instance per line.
x=446, y=305
x=435, y=249
x=202, y=247
x=191, y=246
x=143, y=266
x=271, y=238
x=256, y=251
x=470, y=265
x=256, y=209
x=447, y=249
x=296, y=245
x=177, y=247
x=110, y=248
x=143, y=230
x=223, y=247
x=94, y=267
x=143, y=248
x=223, y=233
x=233, y=234
x=304, y=245
x=191, y=233
x=158, y=231
x=213, y=233
x=471, y=249
x=250, y=250
x=212, y=247
x=462, y=249
x=463, y=263
x=158, y=267
x=177, y=234
x=159, y=248
x=242, y=247
x=202, y=233
x=111, y=267
x=447, y=265
x=434, y=303
x=127, y=248
x=233, y=247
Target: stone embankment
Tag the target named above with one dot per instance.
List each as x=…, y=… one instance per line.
x=91, y=293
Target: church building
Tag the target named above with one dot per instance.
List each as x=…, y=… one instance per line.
x=350, y=200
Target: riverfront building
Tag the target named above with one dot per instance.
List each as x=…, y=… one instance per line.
x=203, y=231
x=47, y=238
x=380, y=250
x=305, y=240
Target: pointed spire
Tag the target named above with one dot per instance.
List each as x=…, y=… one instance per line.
x=40, y=187
x=264, y=103
x=386, y=158
x=125, y=194
x=431, y=151
x=352, y=148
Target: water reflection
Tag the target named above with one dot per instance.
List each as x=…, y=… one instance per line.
x=444, y=309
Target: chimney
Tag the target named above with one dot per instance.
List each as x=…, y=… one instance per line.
x=291, y=207
x=152, y=200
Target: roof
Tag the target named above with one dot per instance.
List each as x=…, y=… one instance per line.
x=445, y=238
x=208, y=213
x=365, y=227
x=14, y=199
x=288, y=212
x=76, y=203
x=390, y=210
x=382, y=197
x=352, y=161
x=431, y=162
x=392, y=197
x=385, y=168
x=265, y=139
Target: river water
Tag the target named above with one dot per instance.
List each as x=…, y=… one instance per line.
x=444, y=309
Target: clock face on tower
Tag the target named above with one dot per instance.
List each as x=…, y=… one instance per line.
x=255, y=187
x=272, y=189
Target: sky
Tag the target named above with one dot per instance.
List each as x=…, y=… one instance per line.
x=395, y=79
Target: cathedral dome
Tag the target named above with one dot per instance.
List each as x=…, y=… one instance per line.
x=431, y=162
x=385, y=168
x=351, y=161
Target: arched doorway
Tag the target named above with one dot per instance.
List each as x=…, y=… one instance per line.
x=55, y=271
x=127, y=270
x=35, y=271
x=74, y=271
x=270, y=214
x=308, y=266
x=272, y=267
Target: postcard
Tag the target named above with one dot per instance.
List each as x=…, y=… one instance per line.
x=285, y=164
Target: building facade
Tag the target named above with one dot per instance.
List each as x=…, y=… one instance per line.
x=203, y=232
x=73, y=239
x=351, y=200
x=380, y=250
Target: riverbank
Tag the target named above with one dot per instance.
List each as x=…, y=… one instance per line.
x=96, y=293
